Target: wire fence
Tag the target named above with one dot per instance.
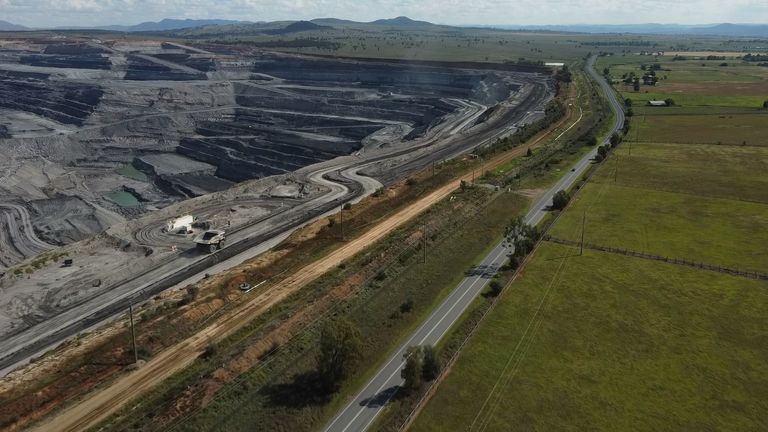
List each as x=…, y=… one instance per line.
x=678, y=261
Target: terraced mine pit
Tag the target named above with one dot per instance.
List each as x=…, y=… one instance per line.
x=105, y=141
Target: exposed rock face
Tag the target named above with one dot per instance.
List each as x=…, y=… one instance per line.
x=201, y=63
x=141, y=68
x=78, y=61
x=64, y=102
x=83, y=116
x=171, y=164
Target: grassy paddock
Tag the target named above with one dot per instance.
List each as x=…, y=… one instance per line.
x=751, y=129
x=609, y=342
x=712, y=230
x=687, y=100
x=718, y=171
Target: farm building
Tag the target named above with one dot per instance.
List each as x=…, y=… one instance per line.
x=657, y=103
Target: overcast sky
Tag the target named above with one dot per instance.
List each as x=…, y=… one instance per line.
x=44, y=13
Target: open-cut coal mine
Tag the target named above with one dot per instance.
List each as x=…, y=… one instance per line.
x=105, y=141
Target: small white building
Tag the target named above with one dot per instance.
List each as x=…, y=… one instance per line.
x=657, y=103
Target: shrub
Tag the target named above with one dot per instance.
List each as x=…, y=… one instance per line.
x=210, y=351
x=406, y=306
x=430, y=368
x=560, y=200
x=413, y=370
x=494, y=288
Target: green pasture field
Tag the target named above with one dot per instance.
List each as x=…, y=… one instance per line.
x=732, y=172
x=608, y=342
x=676, y=225
x=750, y=129
x=605, y=342
x=702, y=78
x=687, y=70
x=640, y=110
x=687, y=100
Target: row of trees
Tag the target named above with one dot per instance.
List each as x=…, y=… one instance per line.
x=602, y=151
x=340, y=348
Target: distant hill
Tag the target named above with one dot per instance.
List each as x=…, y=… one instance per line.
x=164, y=25
x=401, y=21
x=759, y=30
x=333, y=21
x=753, y=30
x=6, y=26
x=298, y=26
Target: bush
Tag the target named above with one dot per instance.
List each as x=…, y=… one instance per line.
x=340, y=347
x=406, y=306
x=190, y=296
x=494, y=288
x=615, y=139
x=602, y=152
x=210, y=351
x=560, y=200
x=430, y=368
x=413, y=370
x=347, y=206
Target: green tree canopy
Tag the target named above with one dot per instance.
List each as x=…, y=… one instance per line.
x=431, y=363
x=413, y=369
x=340, y=347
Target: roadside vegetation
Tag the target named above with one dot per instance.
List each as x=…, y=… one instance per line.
x=287, y=388
x=175, y=316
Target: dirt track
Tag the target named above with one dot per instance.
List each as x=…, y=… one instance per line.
x=101, y=404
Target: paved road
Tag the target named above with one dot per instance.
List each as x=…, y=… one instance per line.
x=361, y=412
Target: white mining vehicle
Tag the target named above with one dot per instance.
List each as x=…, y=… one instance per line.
x=181, y=224
x=211, y=240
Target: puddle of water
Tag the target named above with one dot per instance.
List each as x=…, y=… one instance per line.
x=122, y=198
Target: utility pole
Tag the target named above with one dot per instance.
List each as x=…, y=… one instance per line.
x=424, y=241
x=341, y=221
x=616, y=170
x=133, y=334
x=583, y=222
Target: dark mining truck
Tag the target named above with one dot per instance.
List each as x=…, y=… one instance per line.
x=210, y=240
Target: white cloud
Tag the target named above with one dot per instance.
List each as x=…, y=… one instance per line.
x=99, y=12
